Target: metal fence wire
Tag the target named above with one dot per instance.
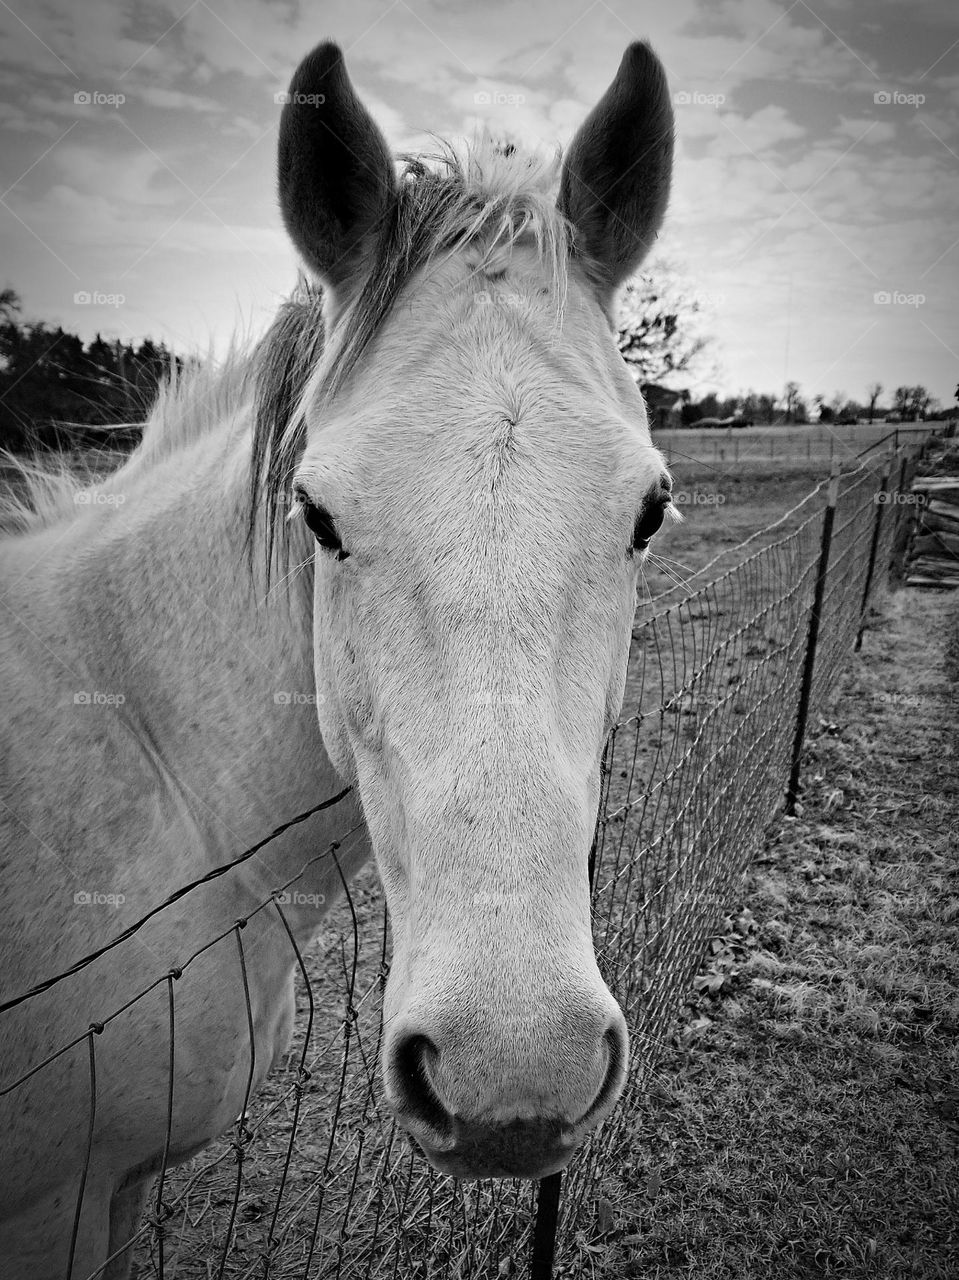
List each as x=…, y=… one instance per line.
x=315, y=1181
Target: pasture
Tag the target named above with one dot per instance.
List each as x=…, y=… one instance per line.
x=790, y=448
x=804, y=1117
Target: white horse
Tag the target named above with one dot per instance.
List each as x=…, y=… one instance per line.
x=445, y=626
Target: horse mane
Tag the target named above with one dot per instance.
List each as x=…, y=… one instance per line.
x=488, y=193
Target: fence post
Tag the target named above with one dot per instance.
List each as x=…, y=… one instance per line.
x=548, y=1191
x=812, y=638
x=881, y=498
x=900, y=534
x=544, y=1232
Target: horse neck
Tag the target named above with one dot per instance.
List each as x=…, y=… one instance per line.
x=216, y=675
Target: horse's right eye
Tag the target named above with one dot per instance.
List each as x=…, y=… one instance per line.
x=648, y=523
x=320, y=524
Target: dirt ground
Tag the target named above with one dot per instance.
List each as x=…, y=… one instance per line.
x=805, y=1117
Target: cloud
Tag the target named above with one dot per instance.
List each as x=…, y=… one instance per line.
x=868, y=131
x=176, y=100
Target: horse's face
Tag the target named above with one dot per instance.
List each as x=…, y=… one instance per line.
x=482, y=494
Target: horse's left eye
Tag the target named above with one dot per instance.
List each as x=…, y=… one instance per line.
x=648, y=522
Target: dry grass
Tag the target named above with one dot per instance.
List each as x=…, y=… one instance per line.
x=806, y=1116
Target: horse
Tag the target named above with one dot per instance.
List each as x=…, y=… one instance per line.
x=393, y=552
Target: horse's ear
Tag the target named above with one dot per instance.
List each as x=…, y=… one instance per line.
x=615, y=180
x=336, y=174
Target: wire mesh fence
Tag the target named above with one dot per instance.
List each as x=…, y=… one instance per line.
x=314, y=1180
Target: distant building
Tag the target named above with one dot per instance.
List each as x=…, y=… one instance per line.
x=664, y=406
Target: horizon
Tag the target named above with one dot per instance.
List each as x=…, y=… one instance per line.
x=813, y=195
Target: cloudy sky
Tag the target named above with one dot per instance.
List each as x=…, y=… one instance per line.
x=815, y=201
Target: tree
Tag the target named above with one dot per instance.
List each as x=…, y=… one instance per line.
x=750, y=406
x=657, y=331
x=791, y=401
x=919, y=402
x=708, y=406
x=874, y=391
x=765, y=409
x=10, y=306
x=900, y=399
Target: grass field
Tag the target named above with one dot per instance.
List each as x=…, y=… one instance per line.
x=805, y=1117
x=791, y=447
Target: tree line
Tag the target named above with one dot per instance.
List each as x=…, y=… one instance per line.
x=660, y=337
x=56, y=389
x=905, y=404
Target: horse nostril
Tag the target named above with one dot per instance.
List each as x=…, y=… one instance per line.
x=417, y=1096
x=617, y=1048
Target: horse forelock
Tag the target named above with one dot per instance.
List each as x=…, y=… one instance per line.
x=484, y=198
